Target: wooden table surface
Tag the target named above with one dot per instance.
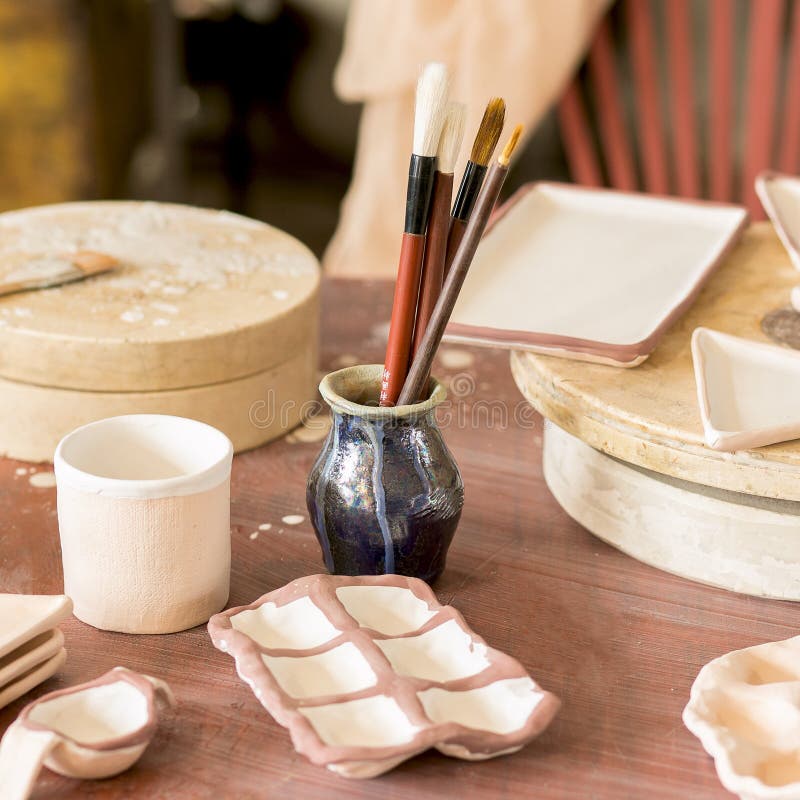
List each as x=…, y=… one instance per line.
x=619, y=642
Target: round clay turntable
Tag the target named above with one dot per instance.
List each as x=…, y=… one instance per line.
x=624, y=452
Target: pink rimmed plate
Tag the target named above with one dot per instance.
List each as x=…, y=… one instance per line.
x=590, y=274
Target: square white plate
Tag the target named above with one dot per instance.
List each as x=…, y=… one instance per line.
x=591, y=274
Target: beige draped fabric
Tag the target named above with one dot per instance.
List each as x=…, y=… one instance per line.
x=522, y=50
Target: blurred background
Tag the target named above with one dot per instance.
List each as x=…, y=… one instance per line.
x=218, y=103
x=230, y=103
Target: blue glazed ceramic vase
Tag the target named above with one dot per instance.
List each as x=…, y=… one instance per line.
x=385, y=494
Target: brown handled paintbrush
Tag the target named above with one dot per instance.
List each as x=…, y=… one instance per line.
x=482, y=149
x=421, y=366
x=428, y=118
x=27, y=272
x=439, y=223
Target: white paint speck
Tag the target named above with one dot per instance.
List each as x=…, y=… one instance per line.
x=254, y=535
x=314, y=429
x=292, y=519
x=795, y=296
x=166, y=308
x=43, y=480
x=174, y=291
x=265, y=526
x=132, y=315
x=160, y=322
x=452, y=358
x=20, y=471
x=280, y=294
x=380, y=331
x=23, y=312
x=345, y=360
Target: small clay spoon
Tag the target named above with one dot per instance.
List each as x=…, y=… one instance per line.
x=93, y=730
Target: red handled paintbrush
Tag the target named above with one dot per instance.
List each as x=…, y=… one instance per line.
x=429, y=112
x=439, y=222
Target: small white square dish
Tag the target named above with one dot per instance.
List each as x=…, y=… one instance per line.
x=590, y=274
x=747, y=391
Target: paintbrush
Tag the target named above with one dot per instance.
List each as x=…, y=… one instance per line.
x=420, y=368
x=436, y=238
x=482, y=148
x=428, y=118
x=42, y=271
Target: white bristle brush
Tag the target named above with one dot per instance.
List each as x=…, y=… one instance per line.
x=429, y=114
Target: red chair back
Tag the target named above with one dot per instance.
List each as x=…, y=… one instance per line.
x=697, y=118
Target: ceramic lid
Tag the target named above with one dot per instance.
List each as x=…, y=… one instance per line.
x=199, y=297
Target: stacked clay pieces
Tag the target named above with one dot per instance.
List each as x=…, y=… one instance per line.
x=31, y=646
x=366, y=672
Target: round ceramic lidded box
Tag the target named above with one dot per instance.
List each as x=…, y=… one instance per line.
x=208, y=315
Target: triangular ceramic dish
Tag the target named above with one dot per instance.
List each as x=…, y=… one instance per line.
x=590, y=274
x=23, y=616
x=747, y=391
x=780, y=196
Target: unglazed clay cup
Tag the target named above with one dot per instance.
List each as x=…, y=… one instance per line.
x=144, y=517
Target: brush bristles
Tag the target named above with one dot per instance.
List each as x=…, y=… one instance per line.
x=452, y=135
x=511, y=145
x=432, y=90
x=489, y=131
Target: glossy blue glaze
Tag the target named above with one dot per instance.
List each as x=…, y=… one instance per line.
x=385, y=494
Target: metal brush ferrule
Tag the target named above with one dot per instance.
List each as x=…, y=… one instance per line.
x=468, y=190
x=418, y=196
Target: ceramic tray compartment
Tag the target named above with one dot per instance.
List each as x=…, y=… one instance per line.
x=744, y=709
x=368, y=671
x=590, y=274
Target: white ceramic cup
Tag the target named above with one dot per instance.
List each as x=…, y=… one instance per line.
x=144, y=517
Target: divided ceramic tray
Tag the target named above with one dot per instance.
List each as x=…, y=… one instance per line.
x=591, y=274
x=747, y=391
x=366, y=672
